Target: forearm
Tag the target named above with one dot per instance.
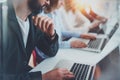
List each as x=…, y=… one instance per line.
x=68, y=34
x=64, y=44
x=23, y=76
x=87, y=15
x=48, y=46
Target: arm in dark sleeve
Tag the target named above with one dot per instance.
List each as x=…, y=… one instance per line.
x=24, y=76
x=48, y=46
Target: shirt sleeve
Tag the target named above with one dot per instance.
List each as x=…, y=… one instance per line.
x=64, y=44
x=46, y=45
x=23, y=76
x=68, y=34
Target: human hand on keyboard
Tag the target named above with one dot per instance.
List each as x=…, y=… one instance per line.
x=78, y=44
x=88, y=36
x=58, y=74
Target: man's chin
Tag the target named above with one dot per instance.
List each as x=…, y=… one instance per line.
x=34, y=6
x=36, y=12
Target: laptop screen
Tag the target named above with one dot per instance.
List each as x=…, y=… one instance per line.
x=109, y=67
x=113, y=30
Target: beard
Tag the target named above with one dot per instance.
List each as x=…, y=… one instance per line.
x=34, y=6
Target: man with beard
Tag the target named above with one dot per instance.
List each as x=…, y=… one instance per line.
x=24, y=32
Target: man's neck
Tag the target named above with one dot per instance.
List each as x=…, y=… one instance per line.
x=21, y=9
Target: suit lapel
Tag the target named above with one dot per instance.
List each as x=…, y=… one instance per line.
x=16, y=28
x=14, y=25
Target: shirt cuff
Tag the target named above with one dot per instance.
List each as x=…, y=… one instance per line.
x=65, y=44
x=35, y=75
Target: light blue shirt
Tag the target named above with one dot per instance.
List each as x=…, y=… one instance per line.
x=60, y=30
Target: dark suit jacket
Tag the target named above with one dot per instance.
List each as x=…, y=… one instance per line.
x=15, y=56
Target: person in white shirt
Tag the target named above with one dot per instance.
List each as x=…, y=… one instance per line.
x=74, y=20
x=53, y=12
x=87, y=10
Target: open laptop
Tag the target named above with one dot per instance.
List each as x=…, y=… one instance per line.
x=109, y=67
x=81, y=71
x=99, y=71
x=101, y=40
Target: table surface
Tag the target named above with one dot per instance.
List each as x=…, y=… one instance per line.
x=79, y=56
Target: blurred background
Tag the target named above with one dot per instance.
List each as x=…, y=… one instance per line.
x=102, y=7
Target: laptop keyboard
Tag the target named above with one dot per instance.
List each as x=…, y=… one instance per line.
x=81, y=71
x=94, y=43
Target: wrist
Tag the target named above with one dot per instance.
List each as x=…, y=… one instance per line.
x=44, y=77
x=53, y=36
x=82, y=36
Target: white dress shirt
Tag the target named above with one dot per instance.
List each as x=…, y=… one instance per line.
x=74, y=21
